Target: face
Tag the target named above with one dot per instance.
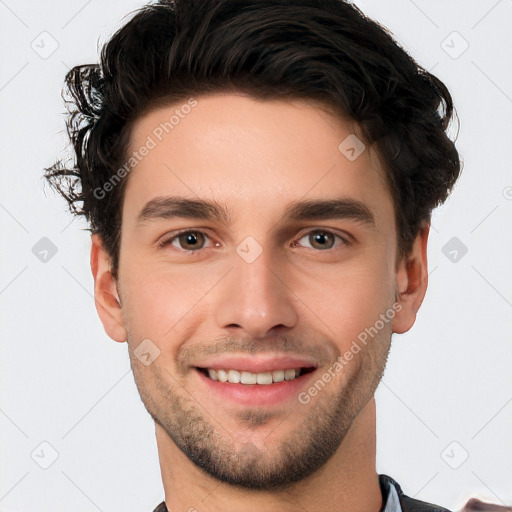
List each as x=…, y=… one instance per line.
x=253, y=248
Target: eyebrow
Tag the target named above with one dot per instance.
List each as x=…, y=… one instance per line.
x=170, y=207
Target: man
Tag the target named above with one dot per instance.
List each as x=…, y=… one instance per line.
x=259, y=178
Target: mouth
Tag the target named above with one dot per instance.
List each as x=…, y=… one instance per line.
x=232, y=376
x=268, y=380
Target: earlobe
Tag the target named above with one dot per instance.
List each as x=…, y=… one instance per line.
x=412, y=281
x=106, y=295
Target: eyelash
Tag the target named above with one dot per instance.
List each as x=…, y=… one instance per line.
x=168, y=241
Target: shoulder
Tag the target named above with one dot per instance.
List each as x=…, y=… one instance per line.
x=410, y=504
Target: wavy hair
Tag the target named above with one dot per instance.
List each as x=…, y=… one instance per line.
x=326, y=51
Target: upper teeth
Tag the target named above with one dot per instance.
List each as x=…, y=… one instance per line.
x=235, y=377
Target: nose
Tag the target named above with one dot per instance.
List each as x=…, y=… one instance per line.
x=255, y=298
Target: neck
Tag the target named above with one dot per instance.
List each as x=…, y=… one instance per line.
x=348, y=482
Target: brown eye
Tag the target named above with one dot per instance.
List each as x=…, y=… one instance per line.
x=191, y=240
x=322, y=240
x=186, y=241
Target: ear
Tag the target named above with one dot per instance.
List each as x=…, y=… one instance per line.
x=106, y=296
x=411, y=280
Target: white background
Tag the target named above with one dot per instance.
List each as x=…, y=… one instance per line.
x=447, y=391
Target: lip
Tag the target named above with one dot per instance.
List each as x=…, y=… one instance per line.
x=259, y=395
x=257, y=364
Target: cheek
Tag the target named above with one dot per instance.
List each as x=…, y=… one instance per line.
x=347, y=300
x=160, y=303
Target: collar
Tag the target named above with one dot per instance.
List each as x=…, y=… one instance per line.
x=391, y=493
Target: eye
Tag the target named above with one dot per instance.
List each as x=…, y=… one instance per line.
x=188, y=241
x=321, y=239
x=194, y=240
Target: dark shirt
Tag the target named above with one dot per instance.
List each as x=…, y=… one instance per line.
x=406, y=504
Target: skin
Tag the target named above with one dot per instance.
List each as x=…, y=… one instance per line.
x=304, y=299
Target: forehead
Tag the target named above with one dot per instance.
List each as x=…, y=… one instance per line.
x=250, y=155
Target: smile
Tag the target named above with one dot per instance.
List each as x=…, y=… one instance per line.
x=250, y=378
